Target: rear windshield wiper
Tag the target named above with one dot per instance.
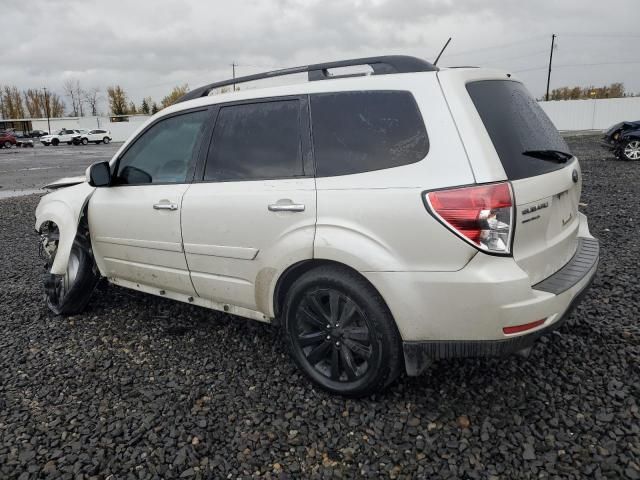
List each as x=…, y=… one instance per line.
x=551, y=155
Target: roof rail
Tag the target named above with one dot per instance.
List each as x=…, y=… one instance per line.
x=320, y=71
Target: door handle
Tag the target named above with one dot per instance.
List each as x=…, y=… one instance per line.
x=165, y=206
x=286, y=207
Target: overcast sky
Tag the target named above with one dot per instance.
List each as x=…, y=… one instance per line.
x=148, y=46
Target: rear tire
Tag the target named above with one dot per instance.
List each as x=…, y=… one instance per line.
x=71, y=292
x=106, y=140
x=46, y=144
x=340, y=332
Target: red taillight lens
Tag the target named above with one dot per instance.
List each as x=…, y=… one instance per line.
x=482, y=215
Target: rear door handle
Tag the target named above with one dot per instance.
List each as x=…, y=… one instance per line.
x=165, y=206
x=286, y=207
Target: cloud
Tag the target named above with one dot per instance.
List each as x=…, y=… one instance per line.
x=147, y=46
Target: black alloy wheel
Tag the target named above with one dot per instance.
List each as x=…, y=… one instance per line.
x=333, y=335
x=340, y=332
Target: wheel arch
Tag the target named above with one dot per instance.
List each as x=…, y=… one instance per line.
x=295, y=271
x=65, y=208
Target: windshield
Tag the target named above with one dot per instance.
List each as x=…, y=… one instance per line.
x=521, y=132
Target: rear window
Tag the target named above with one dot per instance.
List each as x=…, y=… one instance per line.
x=355, y=132
x=516, y=124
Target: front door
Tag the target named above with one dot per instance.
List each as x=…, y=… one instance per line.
x=135, y=222
x=253, y=211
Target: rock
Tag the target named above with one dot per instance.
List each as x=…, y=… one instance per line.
x=528, y=452
x=463, y=421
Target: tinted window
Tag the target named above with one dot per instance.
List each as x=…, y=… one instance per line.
x=516, y=124
x=164, y=153
x=357, y=132
x=256, y=141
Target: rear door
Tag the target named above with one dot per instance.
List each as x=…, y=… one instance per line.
x=253, y=211
x=513, y=132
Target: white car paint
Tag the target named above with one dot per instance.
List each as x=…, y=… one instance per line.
x=64, y=208
x=223, y=249
x=62, y=136
x=97, y=135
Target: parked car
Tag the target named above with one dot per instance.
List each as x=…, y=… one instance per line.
x=61, y=136
x=38, y=133
x=382, y=221
x=7, y=139
x=623, y=139
x=94, y=136
x=24, y=142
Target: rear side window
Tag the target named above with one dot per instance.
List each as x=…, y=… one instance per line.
x=256, y=141
x=355, y=132
x=516, y=124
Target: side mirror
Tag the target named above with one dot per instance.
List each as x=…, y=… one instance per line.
x=99, y=174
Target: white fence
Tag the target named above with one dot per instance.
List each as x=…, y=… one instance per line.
x=572, y=115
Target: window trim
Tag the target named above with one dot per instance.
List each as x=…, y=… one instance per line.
x=418, y=111
x=308, y=166
x=195, y=155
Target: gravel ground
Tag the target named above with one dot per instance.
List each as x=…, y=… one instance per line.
x=139, y=387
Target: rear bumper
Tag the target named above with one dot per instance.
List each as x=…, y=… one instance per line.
x=419, y=355
x=464, y=313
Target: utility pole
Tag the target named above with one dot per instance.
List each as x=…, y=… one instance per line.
x=233, y=67
x=553, y=40
x=46, y=107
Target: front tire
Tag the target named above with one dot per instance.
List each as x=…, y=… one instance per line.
x=6, y=144
x=630, y=150
x=55, y=142
x=341, y=333
x=69, y=294
x=85, y=141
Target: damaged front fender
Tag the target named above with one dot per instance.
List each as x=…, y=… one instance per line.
x=63, y=207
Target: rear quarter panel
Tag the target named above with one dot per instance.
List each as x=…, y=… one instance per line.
x=376, y=221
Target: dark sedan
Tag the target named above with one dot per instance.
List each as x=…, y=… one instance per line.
x=623, y=139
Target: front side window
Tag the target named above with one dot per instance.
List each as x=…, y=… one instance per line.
x=355, y=132
x=256, y=141
x=164, y=153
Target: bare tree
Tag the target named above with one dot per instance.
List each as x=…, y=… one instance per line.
x=75, y=93
x=35, y=103
x=12, y=104
x=93, y=97
x=56, y=105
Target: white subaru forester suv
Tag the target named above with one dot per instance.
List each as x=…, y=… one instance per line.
x=382, y=220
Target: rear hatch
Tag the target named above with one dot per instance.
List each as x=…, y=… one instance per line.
x=545, y=176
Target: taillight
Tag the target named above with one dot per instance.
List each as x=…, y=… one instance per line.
x=481, y=215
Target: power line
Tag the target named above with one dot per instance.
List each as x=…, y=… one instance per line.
x=578, y=65
x=603, y=35
x=496, y=47
x=504, y=59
